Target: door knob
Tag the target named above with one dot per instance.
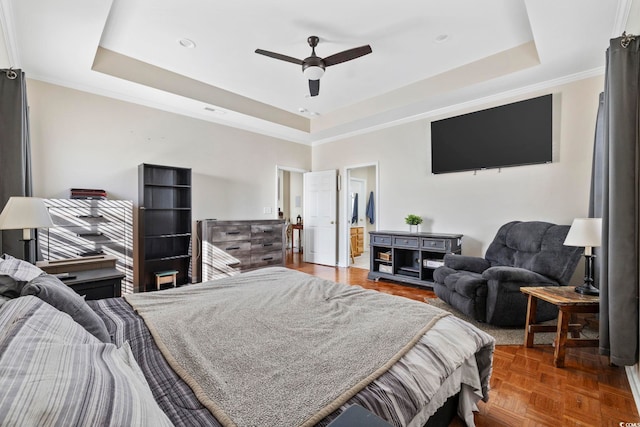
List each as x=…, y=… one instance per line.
x=331, y=222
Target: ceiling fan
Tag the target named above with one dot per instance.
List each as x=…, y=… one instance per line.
x=313, y=66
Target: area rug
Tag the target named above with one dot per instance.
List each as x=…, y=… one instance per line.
x=503, y=336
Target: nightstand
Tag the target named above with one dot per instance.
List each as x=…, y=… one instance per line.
x=96, y=284
x=568, y=302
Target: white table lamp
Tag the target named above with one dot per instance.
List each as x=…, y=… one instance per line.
x=587, y=233
x=25, y=213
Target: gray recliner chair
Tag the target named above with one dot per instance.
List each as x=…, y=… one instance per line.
x=522, y=254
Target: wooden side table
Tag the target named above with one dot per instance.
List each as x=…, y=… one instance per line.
x=568, y=302
x=298, y=227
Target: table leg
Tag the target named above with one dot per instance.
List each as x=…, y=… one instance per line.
x=574, y=327
x=561, y=339
x=532, y=307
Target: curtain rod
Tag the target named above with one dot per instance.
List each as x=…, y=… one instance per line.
x=10, y=74
x=626, y=39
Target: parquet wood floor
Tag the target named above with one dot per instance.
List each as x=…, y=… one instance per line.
x=526, y=389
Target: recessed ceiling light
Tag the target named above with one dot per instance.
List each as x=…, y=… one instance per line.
x=190, y=44
x=215, y=110
x=303, y=110
x=442, y=38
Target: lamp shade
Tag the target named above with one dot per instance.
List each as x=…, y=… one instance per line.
x=25, y=213
x=585, y=232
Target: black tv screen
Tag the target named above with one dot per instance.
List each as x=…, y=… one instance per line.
x=510, y=135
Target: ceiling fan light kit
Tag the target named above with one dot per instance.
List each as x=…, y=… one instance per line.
x=313, y=72
x=313, y=67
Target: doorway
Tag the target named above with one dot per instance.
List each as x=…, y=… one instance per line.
x=361, y=214
x=290, y=204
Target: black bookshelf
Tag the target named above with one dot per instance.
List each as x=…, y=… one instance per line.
x=164, y=223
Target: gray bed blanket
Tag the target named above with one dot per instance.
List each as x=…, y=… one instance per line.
x=277, y=347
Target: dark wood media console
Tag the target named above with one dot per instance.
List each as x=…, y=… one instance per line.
x=410, y=257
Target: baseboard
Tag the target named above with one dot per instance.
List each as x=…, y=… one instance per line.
x=634, y=382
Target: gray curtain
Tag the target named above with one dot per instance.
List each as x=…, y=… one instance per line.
x=615, y=195
x=15, y=152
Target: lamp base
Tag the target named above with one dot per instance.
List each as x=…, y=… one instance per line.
x=587, y=289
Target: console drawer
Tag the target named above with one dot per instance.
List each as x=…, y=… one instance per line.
x=405, y=242
x=437, y=244
x=381, y=240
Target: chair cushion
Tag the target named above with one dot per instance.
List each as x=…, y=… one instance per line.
x=518, y=275
x=537, y=246
x=466, y=283
x=472, y=307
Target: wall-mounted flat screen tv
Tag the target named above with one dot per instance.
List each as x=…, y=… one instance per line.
x=509, y=135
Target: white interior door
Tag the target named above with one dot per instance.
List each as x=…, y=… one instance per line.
x=320, y=217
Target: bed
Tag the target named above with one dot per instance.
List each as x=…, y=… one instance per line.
x=271, y=347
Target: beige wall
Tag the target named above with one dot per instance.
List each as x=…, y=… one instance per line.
x=84, y=140
x=476, y=204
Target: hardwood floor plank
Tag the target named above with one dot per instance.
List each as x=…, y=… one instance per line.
x=526, y=389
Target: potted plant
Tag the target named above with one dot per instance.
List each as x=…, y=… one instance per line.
x=412, y=220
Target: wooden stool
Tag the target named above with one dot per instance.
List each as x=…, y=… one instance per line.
x=164, y=277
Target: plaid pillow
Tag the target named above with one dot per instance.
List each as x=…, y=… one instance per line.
x=18, y=269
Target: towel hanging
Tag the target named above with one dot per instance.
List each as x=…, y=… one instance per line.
x=371, y=211
x=354, y=212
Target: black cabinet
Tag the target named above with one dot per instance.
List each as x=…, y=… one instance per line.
x=410, y=257
x=164, y=220
x=96, y=284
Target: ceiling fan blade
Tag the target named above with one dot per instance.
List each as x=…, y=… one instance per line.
x=347, y=55
x=314, y=87
x=279, y=56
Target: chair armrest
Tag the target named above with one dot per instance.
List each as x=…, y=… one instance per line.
x=465, y=262
x=515, y=274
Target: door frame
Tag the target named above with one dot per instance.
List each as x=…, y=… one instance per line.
x=277, y=186
x=343, y=211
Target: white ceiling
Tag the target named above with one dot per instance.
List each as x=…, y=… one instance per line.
x=129, y=49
